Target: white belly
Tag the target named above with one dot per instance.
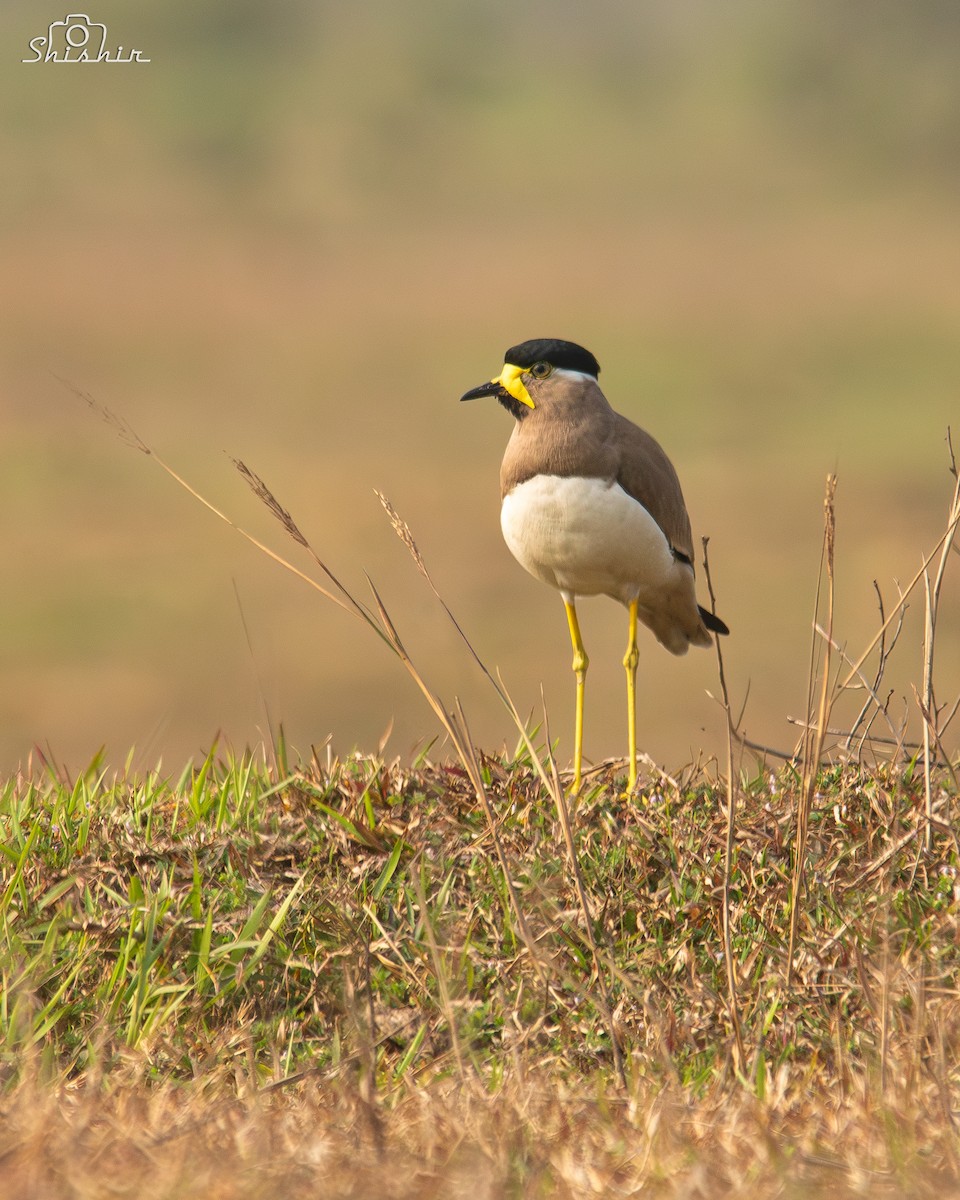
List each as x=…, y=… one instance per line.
x=587, y=537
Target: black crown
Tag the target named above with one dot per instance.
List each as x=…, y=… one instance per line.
x=567, y=355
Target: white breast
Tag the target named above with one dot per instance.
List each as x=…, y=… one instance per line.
x=588, y=537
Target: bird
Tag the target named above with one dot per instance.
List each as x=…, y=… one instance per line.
x=591, y=505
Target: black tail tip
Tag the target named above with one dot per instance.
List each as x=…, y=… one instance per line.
x=712, y=621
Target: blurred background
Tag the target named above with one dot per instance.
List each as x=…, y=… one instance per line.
x=302, y=230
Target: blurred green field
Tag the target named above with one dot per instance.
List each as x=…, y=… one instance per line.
x=299, y=234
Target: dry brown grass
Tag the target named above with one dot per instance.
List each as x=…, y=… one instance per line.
x=530, y=1138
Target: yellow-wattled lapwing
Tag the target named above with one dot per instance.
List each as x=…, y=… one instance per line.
x=591, y=505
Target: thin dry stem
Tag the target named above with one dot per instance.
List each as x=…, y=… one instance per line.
x=730, y=845
x=928, y=707
x=814, y=736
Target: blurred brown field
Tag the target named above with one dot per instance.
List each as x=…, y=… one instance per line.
x=299, y=233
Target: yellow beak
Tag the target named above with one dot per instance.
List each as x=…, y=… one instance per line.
x=509, y=379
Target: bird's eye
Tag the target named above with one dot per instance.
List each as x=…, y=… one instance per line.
x=540, y=370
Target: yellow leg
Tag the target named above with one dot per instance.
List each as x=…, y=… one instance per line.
x=580, y=664
x=630, y=660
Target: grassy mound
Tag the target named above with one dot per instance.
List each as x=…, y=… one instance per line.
x=343, y=979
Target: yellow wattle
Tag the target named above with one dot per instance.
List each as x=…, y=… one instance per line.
x=509, y=378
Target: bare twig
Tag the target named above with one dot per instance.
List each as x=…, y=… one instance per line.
x=885, y=649
x=880, y=706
